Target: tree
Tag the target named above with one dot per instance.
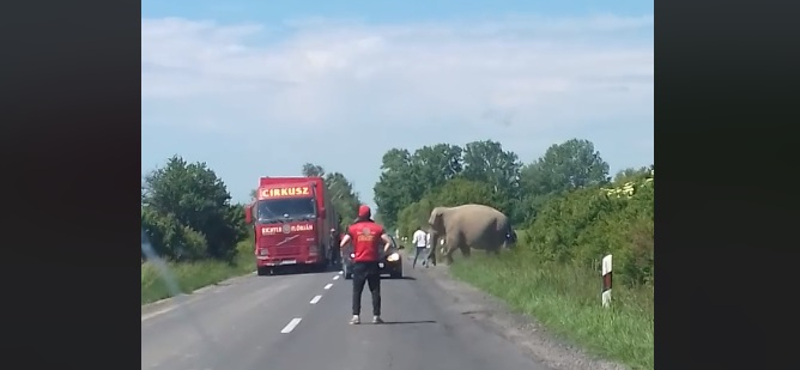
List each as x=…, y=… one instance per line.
x=630, y=174
x=339, y=189
x=397, y=186
x=432, y=166
x=568, y=166
x=487, y=162
x=313, y=170
x=344, y=199
x=183, y=202
x=462, y=191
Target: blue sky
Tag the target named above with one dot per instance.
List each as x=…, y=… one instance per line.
x=261, y=87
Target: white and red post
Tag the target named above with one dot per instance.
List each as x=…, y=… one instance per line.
x=606, y=271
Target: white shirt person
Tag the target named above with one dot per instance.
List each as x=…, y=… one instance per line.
x=420, y=239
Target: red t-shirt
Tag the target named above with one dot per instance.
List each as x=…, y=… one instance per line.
x=366, y=239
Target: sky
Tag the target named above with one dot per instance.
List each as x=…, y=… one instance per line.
x=258, y=88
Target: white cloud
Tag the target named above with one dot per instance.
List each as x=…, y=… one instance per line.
x=539, y=71
x=520, y=80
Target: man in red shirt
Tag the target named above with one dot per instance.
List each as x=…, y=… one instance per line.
x=366, y=236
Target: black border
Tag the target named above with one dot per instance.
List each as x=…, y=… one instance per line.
x=71, y=82
x=726, y=90
x=726, y=77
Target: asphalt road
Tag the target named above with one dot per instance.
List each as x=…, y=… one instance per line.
x=300, y=322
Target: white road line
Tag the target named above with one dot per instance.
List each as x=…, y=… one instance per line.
x=205, y=288
x=315, y=299
x=336, y=277
x=159, y=312
x=328, y=286
x=195, y=295
x=291, y=325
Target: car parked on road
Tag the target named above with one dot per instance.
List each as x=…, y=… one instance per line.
x=391, y=262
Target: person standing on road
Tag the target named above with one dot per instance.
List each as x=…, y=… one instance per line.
x=366, y=237
x=335, y=253
x=420, y=240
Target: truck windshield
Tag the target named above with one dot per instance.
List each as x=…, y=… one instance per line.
x=289, y=209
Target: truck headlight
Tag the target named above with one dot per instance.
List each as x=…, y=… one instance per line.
x=263, y=252
x=393, y=257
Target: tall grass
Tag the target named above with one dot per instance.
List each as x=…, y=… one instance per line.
x=194, y=275
x=566, y=299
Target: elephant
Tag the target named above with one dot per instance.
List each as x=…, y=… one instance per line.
x=470, y=226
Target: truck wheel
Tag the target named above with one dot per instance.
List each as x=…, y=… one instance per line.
x=263, y=271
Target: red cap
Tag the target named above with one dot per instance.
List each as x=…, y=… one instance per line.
x=364, y=211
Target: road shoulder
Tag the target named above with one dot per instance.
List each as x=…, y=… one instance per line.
x=183, y=298
x=494, y=315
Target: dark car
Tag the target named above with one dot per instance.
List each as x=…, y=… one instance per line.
x=391, y=262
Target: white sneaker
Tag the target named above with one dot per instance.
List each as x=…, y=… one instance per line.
x=377, y=320
x=355, y=320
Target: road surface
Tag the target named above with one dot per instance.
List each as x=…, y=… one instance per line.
x=299, y=322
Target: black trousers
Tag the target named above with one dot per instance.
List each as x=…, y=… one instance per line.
x=366, y=273
x=334, y=255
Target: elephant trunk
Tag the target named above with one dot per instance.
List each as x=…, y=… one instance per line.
x=434, y=237
x=511, y=238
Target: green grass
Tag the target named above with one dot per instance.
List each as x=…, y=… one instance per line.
x=192, y=276
x=566, y=300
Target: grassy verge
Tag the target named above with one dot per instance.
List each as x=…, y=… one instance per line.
x=566, y=299
x=192, y=276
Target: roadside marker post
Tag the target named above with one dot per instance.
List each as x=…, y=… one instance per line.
x=607, y=274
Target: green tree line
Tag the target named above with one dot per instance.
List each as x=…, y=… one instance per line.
x=557, y=201
x=187, y=214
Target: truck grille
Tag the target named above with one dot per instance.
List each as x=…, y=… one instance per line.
x=287, y=250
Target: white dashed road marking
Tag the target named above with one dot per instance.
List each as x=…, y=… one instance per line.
x=328, y=286
x=315, y=299
x=291, y=325
x=336, y=277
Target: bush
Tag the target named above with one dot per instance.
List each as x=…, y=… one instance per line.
x=583, y=226
x=187, y=215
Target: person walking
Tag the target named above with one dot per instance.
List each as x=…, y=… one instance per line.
x=366, y=237
x=420, y=240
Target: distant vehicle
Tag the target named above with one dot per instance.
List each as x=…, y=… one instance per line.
x=391, y=262
x=291, y=219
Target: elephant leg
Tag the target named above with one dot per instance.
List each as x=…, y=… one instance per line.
x=448, y=255
x=452, y=243
x=465, y=250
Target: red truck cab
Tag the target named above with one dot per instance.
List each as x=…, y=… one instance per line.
x=291, y=219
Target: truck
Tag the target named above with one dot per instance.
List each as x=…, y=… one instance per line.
x=292, y=219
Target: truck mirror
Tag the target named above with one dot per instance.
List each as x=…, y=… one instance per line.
x=248, y=215
x=322, y=212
